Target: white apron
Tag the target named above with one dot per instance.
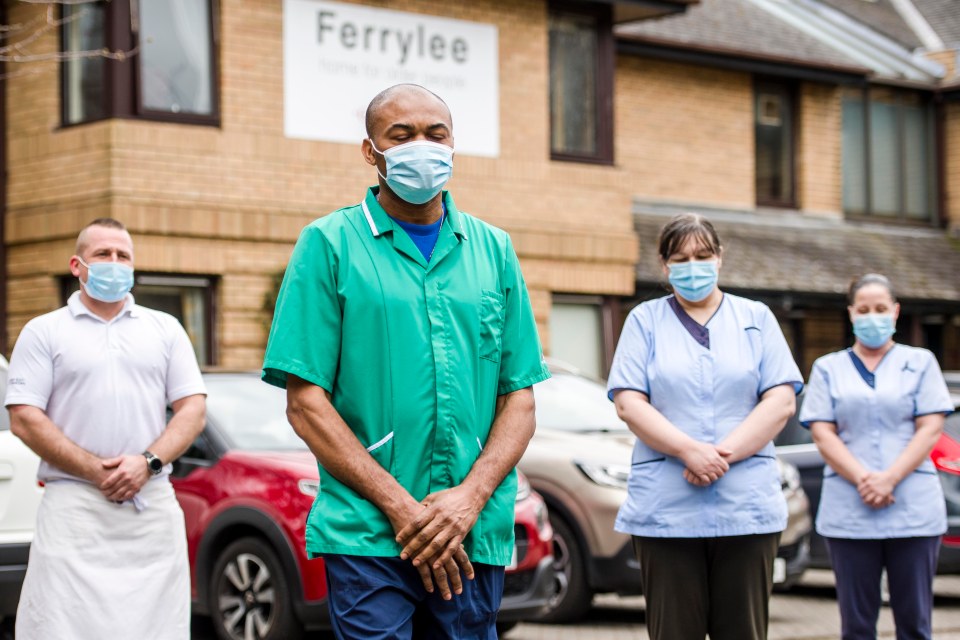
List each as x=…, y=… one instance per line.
x=100, y=570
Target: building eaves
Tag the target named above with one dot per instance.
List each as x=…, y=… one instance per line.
x=944, y=17
x=802, y=254
x=881, y=16
x=804, y=33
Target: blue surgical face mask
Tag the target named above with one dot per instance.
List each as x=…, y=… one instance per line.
x=417, y=171
x=694, y=280
x=873, y=330
x=107, y=281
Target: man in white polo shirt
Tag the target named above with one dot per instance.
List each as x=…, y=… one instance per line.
x=88, y=390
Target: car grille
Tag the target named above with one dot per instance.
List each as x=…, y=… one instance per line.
x=522, y=542
x=517, y=582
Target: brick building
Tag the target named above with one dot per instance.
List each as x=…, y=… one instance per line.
x=608, y=116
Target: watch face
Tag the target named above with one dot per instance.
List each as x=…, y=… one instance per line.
x=155, y=465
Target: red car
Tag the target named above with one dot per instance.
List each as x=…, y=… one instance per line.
x=246, y=486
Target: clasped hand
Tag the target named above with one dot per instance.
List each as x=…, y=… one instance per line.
x=876, y=489
x=122, y=477
x=705, y=463
x=432, y=539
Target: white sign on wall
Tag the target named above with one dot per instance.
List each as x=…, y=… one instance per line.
x=337, y=57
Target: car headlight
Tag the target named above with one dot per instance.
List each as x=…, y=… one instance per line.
x=309, y=487
x=606, y=475
x=523, y=487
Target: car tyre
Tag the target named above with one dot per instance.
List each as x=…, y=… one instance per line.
x=249, y=596
x=572, y=596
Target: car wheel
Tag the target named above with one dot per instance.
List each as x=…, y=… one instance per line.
x=249, y=594
x=572, y=596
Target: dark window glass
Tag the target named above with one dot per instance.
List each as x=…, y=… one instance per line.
x=573, y=81
x=888, y=168
x=581, y=83
x=773, y=119
x=176, y=56
x=83, y=69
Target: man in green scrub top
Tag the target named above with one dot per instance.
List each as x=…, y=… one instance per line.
x=404, y=336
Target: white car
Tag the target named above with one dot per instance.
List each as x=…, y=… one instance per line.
x=19, y=498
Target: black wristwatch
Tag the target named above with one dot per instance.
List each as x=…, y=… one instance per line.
x=154, y=464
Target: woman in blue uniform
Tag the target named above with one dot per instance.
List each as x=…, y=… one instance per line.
x=705, y=380
x=875, y=411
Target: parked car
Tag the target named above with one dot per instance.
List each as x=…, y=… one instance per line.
x=579, y=461
x=19, y=497
x=795, y=444
x=246, y=486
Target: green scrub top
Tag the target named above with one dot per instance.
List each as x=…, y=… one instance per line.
x=414, y=354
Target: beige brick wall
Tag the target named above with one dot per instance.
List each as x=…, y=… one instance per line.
x=685, y=133
x=952, y=165
x=230, y=201
x=819, y=179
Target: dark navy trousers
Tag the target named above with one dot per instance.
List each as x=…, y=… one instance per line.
x=911, y=564
x=384, y=598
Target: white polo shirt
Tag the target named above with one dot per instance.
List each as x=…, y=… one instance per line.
x=105, y=384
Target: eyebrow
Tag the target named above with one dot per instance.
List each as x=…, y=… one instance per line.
x=409, y=127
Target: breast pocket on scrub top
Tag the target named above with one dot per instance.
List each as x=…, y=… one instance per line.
x=491, y=324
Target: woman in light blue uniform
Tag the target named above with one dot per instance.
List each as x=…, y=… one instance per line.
x=706, y=381
x=875, y=412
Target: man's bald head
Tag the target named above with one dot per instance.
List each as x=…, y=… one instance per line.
x=83, y=239
x=398, y=92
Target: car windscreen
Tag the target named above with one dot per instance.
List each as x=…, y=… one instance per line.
x=574, y=403
x=250, y=413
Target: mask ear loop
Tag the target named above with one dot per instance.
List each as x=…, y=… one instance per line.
x=374, y=147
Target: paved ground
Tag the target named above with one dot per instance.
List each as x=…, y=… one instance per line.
x=809, y=612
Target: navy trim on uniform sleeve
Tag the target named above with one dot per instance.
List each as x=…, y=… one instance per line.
x=796, y=384
x=806, y=423
x=945, y=412
x=613, y=391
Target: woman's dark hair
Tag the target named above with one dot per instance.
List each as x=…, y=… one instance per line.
x=870, y=278
x=684, y=226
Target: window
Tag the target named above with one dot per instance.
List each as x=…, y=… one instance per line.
x=162, y=66
x=774, y=134
x=581, y=83
x=576, y=335
x=175, y=56
x=83, y=76
x=189, y=299
x=888, y=154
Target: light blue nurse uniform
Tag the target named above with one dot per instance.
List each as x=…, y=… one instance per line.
x=705, y=380
x=875, y=415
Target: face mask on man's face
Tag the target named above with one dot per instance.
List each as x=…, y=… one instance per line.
x=107, y=281
x=417, y=171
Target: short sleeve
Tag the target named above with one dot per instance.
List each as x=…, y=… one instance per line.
x=634, y=349
x=30, y=376
x=818, y=405
x=305, y=334
x=777, y=365
x=932, y=393
x=183, y=372
x=521, y=358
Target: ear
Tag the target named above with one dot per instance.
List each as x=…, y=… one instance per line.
x=366, y=150
x=75, y=266
x=896, y=312
x=850, y=313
